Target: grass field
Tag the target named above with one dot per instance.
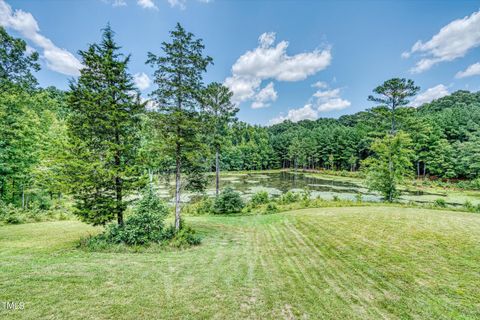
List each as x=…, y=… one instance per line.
x=330, y=263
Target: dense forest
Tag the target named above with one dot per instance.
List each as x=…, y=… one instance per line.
x=445, y=135
x=100, y=140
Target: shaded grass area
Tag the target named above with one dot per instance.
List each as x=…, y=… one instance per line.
x=332, y=263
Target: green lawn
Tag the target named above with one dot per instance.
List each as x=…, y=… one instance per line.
x=330, y=263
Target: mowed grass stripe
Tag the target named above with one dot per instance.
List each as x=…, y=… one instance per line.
x=330, y=263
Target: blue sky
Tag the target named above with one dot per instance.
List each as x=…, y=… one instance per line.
x=283, y=59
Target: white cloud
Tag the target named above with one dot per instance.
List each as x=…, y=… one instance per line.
x=57, y=59
x=320, y=85
x=270, y=61
x=244, y=88
x=147, y=4
x=333, y=104
x=305, y=113
x=330, y=100
x=178, y=3
x=321, y=101
x=142, y=81
x=430, y=95
x=264, y=96
x=472, y=70
x=327, y=94
x=452, y=41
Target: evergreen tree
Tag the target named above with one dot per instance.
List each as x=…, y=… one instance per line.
x=178, y=77
x=104, y=129
x=220, y=112
x=394, y=93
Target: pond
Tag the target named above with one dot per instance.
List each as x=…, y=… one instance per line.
x=326, y=187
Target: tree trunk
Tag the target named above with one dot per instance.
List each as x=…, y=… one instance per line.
x=178, y=165
x=217, y=171
x=118, y=190
x=23, y=197
x=418, y=169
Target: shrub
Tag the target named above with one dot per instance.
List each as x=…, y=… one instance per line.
x=469, y=206
x=145, y=225
x=151, y=203
x=200, y=207
x=138, y=229
x=289, y=197
x=259, y=198
x=186, y=237
x=358, y=197
x=440, y=203
x=229, y=201
x=271, y=208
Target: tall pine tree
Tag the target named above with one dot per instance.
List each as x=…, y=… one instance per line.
x=104, y=130
x=178, y=77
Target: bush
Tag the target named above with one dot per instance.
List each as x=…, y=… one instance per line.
x=469, y=206
x=440, y=203
x=145, y=225
x=289, y=197
x=271, y=208
x=229, y=201
x=259, y=198
x=151, y=203
x=186, y=237
x=200, y=207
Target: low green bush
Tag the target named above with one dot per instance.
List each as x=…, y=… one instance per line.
x=440, y=203
x=144, y=226
x=229, y=201
x=271, y=208
x=259, y=198
x=289, y=197
x=186, y=237
x=202, y=206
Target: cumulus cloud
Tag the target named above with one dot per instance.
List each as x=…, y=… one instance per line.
x=323, y=100
x=147, y=4
x=472, y=70
x=142, y=81
x=330, y=100
x=264, y=96
x=307, y=112
x=429, y=95
x=270, y=61
x=57, y=59
x=452, y=41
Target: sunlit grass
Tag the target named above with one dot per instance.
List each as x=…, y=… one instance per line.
x=333, y=263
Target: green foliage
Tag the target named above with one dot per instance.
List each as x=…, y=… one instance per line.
x=271, y=208
x=142, y=227
x=103, y=127
x=16, y=64
x=184, y=238
x=441, y=203
x=150, y=203
x=259, y=198
x=181, y=125
x=228, y=201
x=390, y=165
x=200, y=207
x=289, y=197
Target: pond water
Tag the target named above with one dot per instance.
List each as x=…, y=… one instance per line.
x=326, y=187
